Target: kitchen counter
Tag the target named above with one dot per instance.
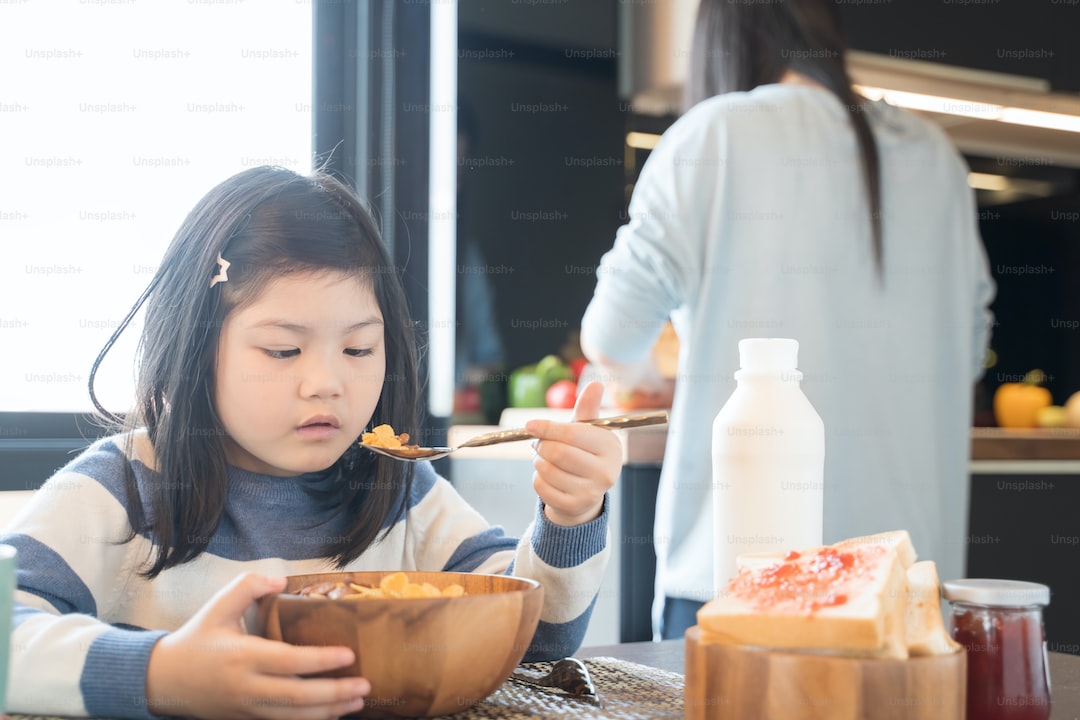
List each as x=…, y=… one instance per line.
x=1025, y=452
x=1021, y=524
x=1025, y=487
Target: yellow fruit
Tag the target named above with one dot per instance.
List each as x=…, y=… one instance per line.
x=1072, y=410
x=1051, y=417
x=1016, y=405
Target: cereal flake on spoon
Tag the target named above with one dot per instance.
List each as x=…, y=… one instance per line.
x=384, y=436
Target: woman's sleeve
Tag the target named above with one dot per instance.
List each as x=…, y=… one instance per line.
x=72, y=561
x=981, y=283
x=655, y=263
x=985, y=291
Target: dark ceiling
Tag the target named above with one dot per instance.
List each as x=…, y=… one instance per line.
x=1034, y=38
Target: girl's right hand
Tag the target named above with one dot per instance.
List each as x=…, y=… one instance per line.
x=209, y=668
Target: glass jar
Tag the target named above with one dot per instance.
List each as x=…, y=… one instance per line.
x=1000, y=624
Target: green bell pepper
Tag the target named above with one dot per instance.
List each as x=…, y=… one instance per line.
x=527, y=385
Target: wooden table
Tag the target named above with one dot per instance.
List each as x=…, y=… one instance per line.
x=668, y=655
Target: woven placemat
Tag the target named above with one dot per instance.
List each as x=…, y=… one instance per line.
x=627, y=691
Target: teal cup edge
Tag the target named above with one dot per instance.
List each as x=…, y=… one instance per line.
x=8, y=557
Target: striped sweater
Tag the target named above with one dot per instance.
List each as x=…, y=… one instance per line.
x=86, y=621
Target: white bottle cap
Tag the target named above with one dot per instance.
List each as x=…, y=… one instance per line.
x=768, y=354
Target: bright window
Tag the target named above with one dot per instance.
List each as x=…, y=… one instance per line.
x=115, y=118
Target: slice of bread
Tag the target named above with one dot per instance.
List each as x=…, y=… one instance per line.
x=848, y=598
x=923, y=623
x=899, y=540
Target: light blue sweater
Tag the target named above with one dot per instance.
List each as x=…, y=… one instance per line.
x=86, y=622
x=749, y=219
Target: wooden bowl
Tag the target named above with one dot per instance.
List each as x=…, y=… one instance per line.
x=739, y=682
x=423, y=656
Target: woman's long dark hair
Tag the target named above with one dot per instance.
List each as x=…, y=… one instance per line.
x=267, y=222
x=738, y=46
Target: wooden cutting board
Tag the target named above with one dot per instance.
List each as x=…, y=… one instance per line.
x=731, y=682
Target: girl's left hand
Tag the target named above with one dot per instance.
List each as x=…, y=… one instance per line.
x=576, y=464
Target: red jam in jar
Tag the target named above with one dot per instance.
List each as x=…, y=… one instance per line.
x=1000, y=624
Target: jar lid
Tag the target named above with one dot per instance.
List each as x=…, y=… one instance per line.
x=1008, y=593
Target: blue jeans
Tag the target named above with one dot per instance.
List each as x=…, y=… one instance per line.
x=679, y=614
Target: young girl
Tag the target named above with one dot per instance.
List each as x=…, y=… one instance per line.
x=276, y=332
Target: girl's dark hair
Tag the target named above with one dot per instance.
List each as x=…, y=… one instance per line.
x=738, y=46
x=267, y=222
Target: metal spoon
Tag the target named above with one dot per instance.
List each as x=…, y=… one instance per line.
x=568, y=675
x=413, y=452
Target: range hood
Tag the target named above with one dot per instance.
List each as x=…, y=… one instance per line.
x=984, y=113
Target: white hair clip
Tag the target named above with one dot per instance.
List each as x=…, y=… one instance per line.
x=223, y=273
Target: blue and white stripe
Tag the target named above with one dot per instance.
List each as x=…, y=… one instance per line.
x=86, y=621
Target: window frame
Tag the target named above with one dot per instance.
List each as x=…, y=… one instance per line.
x=364, y=55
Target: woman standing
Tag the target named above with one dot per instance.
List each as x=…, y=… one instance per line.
x=783, y=204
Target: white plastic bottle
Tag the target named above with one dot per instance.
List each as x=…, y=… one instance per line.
x=768, y=460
